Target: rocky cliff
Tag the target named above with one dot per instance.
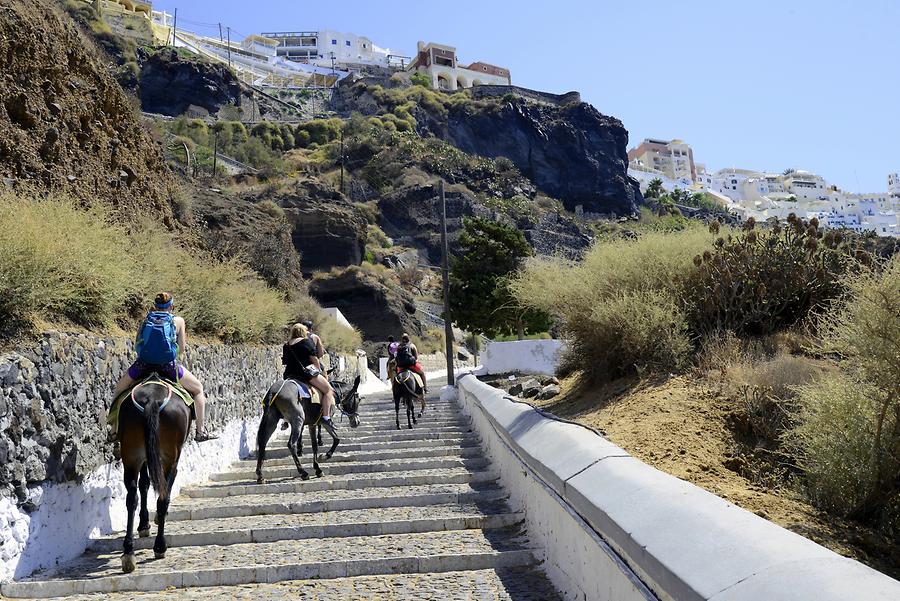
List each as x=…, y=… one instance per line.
x=65, y=123
x=374, y=304
x=571, y=152
x=411, y=216
x=171, y=83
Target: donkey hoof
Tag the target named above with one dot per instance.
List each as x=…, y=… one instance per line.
x=128, y=564
x=159, y=554
x=319, y=473
x=260, y=480
x=304, y=476
x=410, y=426
x=144, y=533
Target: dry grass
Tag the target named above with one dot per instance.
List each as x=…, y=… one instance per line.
x=61, y=262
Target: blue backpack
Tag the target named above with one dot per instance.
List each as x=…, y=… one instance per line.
x=157, y=341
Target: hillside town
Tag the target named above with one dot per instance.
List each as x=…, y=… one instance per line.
x=764, y=195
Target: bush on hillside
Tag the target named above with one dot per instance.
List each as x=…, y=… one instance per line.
x=619, y=307
x=849, y=425
x=758, y=281
x=59, y=262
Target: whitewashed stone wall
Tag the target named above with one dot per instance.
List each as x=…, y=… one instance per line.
x=59, y=482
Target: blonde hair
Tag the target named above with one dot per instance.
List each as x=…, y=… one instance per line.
x=298, y=330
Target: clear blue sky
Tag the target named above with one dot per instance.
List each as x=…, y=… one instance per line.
x=764, y=84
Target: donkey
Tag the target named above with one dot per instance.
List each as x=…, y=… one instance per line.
x=406, y=388
x=154, y=423
x=291, y=401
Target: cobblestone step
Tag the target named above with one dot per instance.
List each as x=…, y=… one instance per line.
x=456, y=475
x=469, y=452
x=373, y=426
x=326, y=558
x=503, y=584
x=392, y=435
x=398, y=466
x=333, y=500
x=322, y=524
x=279, y=450
x=409, y=514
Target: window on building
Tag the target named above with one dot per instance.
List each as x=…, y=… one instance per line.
x=364, y=45
x=334, y=42
x=347, y=43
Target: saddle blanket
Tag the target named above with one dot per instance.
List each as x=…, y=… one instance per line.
x=113, y=415
x=306, y=391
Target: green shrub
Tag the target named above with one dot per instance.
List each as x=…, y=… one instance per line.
x=762, y=280
x=270, y=208
x=421, y=79
x=619, y=307
x=629, y=332
x=849, y=425
x=337, y=337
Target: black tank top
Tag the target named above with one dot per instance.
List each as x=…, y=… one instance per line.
x=297, y=356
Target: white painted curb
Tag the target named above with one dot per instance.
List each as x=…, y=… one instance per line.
x=683, y=542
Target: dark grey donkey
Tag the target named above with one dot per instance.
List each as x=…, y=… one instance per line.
x=292, y=402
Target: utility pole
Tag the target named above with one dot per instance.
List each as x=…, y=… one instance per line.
x=221, y=37
x=174, y=26
x=229, y=47
x=445, y=260
x=215, y=152
x=342, y=160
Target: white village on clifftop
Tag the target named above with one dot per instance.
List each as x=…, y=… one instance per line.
x=764, y=195
x=321, y=58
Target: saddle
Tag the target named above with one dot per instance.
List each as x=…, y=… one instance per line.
x=112, y=417
x=405, y=374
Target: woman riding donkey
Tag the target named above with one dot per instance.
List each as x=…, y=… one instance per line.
x=299, y=354
x=160, y=341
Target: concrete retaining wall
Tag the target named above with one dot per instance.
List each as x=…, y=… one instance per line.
x=522, y=356
x=614, y=528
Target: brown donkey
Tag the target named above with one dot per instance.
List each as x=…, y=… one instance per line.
x=154, y=423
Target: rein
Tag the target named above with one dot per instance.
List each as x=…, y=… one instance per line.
x=164, y=403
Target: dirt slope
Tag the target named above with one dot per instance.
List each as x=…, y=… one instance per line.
x=65, y=124
x=680, y=426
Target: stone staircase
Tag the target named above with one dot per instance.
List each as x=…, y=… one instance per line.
x=409, y=514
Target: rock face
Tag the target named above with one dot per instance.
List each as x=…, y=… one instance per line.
x=170, y=84
x=376, y=307
x=257, y=232
x=412, y=216
x=573, y=152
x=327, y=236
x=65, y=124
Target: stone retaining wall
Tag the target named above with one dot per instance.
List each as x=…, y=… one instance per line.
x=60, y=484
x=490, y=91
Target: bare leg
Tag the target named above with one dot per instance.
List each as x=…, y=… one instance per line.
x=323, y=386
x=124, y=383
x=193, y=386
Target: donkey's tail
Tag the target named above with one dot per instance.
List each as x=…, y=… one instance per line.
x=151, y=445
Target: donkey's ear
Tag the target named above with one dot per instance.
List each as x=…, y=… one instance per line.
x=355, y=384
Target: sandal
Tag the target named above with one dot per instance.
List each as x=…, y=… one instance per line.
x=204, y=436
